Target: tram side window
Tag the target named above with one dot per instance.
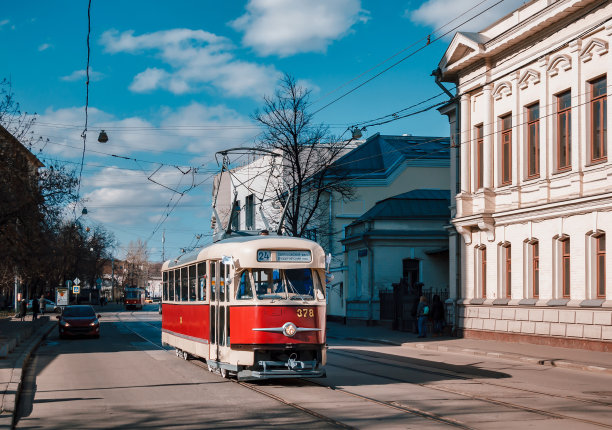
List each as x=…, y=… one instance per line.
x=184, y=285
x=245, y=288
x=202, y=281
x=165, y=286
x=222, y=268
x=213, y=281
x=192, y=283
x=171, y=285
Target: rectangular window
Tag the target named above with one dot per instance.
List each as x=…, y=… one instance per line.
x=483, y=271
x=506, y=149
x=171, y=285
x=192, y=283
x=598, y=120
x=508, y=272
x=202, y=281
x=165, y=286
x=601, y=266
x=184, y=285
x=533, y=141
x=479, y=157
x=249, y=217
x=565, y=267
x=213, y=281
x=564, y=131
x=535, y=260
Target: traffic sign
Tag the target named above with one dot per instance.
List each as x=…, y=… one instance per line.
x=77, y=281
x=68, y=284
x=76, y=289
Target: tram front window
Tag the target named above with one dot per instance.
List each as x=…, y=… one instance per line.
x=287, y=284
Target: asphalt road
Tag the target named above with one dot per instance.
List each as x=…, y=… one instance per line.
x=126, y=379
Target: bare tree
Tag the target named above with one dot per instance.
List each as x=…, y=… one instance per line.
x=308, y=151
x=136, y=264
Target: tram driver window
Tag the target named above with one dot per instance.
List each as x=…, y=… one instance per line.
x=171, y=285
x=245, y=288
x=222, y=269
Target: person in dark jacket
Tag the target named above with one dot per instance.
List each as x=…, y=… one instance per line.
x=422, y=316
x=23, y=309
x=437, y=315
x=35, y=309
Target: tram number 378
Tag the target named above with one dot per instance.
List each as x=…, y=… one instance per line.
x=305, y=313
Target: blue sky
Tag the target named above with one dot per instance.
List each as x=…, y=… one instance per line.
x=174, y=82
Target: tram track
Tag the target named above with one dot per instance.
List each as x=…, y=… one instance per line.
x=485, y=399
x=459, y=375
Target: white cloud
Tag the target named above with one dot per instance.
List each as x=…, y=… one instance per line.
x=196, y=60
x=4, y=22
x=436, y=13
x=78, y=75
x=287, y=27
x=44, y=47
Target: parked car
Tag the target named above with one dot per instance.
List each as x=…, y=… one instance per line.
x=49, y=306
x=78, y=320
x=156, y=299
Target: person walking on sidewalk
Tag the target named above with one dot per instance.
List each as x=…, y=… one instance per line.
x=437, y=315
x=35, y=309
x=23, y=308
x=422, y=315
x=41, y=304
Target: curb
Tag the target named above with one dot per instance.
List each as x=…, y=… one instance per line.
x=9, y=404
x=563, y=364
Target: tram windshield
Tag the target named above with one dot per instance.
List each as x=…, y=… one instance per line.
x=280, y=284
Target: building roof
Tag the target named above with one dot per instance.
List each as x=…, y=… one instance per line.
x=10, y=142
x=381, y=154
x=416, y=204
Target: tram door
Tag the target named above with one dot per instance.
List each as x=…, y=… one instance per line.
x=219, y=311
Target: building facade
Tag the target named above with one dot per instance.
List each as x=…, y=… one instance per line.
x=535, y=200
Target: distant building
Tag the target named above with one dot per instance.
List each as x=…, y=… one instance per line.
x=401, y=237
x=535, y=200
x=382, y=167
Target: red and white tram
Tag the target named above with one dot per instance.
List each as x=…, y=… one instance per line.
x=134, y=298
x=250, y=305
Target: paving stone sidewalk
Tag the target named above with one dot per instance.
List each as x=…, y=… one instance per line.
x=577, y=359
x=17, y=341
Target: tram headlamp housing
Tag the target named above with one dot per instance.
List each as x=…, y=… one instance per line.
x=289, y=329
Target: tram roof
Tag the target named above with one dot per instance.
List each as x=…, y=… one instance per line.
x=227, y=247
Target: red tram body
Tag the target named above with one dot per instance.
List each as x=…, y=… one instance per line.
x=251, y=306
x=134, y=298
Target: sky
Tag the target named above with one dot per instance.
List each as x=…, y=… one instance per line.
x=174, y=82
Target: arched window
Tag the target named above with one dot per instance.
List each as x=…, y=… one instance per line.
x=596, y=264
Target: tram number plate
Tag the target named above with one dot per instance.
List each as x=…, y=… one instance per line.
x=305, y=313
x=264, y=255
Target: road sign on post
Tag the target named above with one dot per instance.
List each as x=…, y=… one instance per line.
x=77, y=281
x=76, y=289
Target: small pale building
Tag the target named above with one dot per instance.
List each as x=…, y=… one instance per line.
x=401, y=237
x=535, y=200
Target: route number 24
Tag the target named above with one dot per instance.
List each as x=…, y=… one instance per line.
x=305, y=313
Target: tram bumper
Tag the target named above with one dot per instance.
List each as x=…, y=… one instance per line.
x=283, y=369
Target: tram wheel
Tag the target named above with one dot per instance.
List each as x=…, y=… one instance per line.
x=224, y=373
x=185, y=355
x=177, y=352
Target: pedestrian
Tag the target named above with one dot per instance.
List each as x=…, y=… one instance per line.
x=41, y=303
x=437, y=315
x=23, y=309
x=35, y=309
x=422, y=315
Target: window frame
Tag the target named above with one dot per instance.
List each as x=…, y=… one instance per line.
x=478, y=131
x=508, y=270
x=565, y=274
x=535, y=124
x=600, y=285
x=601, y=100
x=506, y=149
x=535, y=269
x=566, y=113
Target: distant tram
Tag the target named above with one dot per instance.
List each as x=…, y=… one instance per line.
x=134, y=298
x=252, y=305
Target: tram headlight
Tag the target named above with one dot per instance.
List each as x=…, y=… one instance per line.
x=289, y=329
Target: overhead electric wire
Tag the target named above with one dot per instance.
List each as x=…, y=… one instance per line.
x=404, y=59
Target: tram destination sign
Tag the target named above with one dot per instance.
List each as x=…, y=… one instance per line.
x=284, y=256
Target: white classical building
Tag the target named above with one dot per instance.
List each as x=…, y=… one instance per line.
x=535, y=199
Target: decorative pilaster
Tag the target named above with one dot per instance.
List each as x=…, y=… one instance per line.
x=487, y=137
x=466, y=144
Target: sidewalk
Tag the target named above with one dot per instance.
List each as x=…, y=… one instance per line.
x=576, y=359
x=17, y=341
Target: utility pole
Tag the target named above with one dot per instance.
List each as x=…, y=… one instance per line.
x=164, y=245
